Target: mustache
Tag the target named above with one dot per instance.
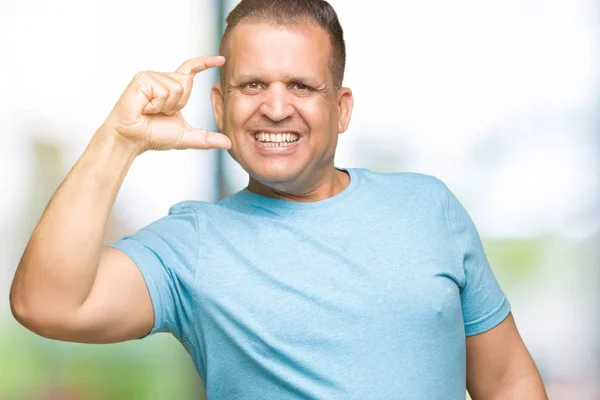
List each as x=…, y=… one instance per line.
x=287, y=125
x=283, y=127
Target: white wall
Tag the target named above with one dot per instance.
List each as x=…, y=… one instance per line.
x=64, y=65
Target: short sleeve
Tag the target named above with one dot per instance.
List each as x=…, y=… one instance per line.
x=484, y=304
x=166, y=253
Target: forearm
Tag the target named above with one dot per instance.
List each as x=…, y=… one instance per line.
x=528, y=387
x=59, y=265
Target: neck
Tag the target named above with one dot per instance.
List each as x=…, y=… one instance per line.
x=320, y=188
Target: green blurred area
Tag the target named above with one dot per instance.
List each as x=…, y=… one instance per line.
x=516, y=260
x=33, y=367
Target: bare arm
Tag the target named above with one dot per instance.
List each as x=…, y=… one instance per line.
x=59, y=266
x=499, y=367
x=68, y=286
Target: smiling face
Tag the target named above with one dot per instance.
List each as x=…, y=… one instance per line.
x=279, y=106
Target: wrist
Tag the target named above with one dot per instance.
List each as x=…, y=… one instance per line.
x=115, y=143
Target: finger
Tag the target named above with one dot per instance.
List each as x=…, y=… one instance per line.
x=199, y=64
x=187, y=82
x=201, y=139
x=176, y=91
x=156, y=93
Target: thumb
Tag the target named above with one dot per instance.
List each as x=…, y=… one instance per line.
x=200, y=139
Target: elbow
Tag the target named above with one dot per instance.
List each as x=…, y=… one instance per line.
x=38, y=319
x=38, y=323
x=21, y=304
x=17, y=304
x=24, y=315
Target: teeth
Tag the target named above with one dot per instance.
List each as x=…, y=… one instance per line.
x=276, y=139
x=276, y=144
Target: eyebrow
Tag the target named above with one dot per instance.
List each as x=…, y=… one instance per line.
x=306, y=80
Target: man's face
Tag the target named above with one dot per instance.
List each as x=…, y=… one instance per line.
x=279, y=107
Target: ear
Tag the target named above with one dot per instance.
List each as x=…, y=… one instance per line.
x=216, y=97
x=345, y=103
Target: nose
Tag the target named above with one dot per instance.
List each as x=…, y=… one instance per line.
x=277, y=105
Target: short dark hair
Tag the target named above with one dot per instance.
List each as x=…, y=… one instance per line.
x=292, y=12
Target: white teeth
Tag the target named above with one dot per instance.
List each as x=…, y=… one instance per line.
x=276, y=144
x=276, y=139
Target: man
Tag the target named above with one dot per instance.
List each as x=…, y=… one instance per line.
x=313, y=282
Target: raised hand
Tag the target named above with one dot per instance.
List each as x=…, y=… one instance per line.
x=148, y=113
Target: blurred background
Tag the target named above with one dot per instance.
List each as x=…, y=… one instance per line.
x=499, y=99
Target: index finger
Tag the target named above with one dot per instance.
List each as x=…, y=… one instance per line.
x=199, y=64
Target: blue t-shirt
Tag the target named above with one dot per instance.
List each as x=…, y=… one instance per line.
x=366, y=295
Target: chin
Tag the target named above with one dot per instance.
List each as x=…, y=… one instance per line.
x=275, y=174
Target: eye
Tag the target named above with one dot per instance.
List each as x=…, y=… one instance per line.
x=251, y=86
x=301, y=86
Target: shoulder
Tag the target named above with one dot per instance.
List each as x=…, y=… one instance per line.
x=185, y=207
x=207, y=215
x=407, y=185
x=195, y=208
